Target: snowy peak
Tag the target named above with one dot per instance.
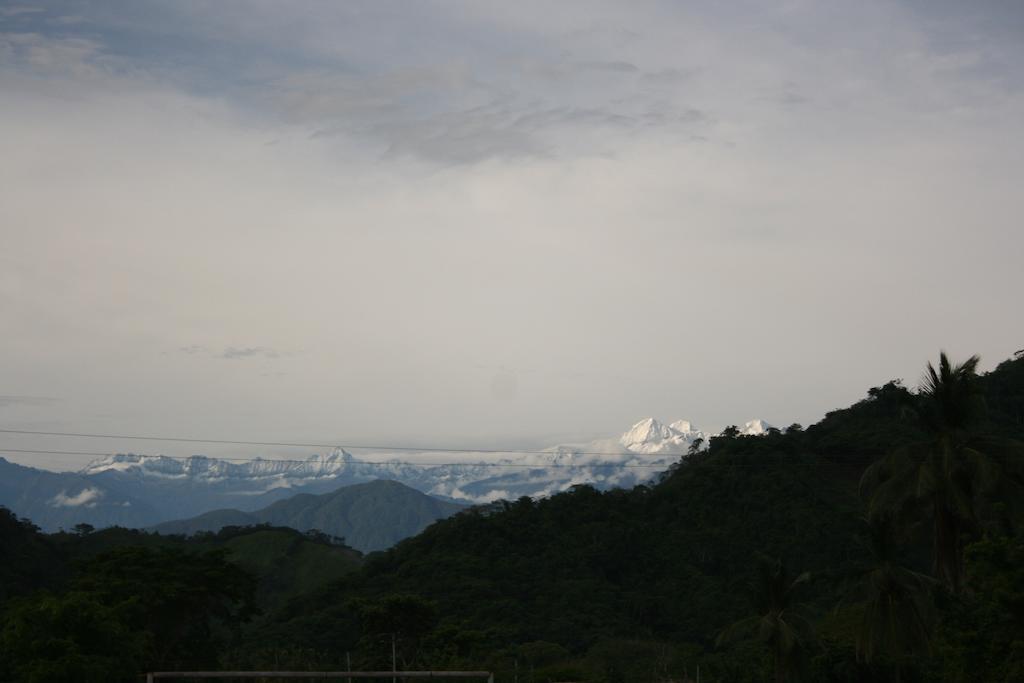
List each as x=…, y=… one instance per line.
x=648, y=431
x=756, y=428
x=129, y=462
x=650, y=436
x=682, y=426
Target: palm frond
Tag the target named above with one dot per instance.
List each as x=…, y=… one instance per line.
x=950, y=394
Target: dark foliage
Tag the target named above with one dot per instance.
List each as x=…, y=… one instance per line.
x=615, y=586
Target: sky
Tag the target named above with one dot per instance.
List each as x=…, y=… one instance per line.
x=494, y=224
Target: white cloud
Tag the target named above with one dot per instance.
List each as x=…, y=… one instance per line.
x=87, y=497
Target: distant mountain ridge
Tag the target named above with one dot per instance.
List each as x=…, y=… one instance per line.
x=55, y=500
x=605, y=463
x=144, y=490
x=370, y=516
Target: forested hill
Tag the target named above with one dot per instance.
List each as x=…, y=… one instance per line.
x=595, y=580
x=586, y=578
x=649, y=583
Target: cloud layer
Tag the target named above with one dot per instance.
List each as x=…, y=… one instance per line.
x=483, y=223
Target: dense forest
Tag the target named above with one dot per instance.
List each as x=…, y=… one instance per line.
x=885, y=542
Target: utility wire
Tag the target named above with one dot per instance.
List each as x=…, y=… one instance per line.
x=753, y=461
x=374, y=447
x=357, y=462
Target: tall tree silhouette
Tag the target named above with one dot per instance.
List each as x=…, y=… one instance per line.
x=949, y=477
x=897, y=601
x=779, y=622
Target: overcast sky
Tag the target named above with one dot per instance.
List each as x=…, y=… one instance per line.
x=495, y=223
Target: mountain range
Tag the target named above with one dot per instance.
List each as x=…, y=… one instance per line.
x=143, y=491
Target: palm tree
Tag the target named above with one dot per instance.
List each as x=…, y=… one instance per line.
x=896, y=621
x=947, y=477
x=779, y=622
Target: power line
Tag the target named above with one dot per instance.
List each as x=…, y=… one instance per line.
x=136, y=437
x=403, y=449
x=754, y=461
x=354, y=461
x=363, y=447
x=22, y=450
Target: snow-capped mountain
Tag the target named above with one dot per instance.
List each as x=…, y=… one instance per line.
x=756, y=428
x=638, y=455
x=213, y=470
x=651, y=436
x=153, y=489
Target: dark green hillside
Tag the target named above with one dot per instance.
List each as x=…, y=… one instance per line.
x=28, y=560
x=370, y=516
x=585, y=569
x=868, y=429
x=285, y=562
x=1003, y=390
x=104, y=605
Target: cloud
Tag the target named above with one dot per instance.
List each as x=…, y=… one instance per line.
x=454, y=112
x=505, y=131
x=20, y=10
x=438, y=108
x=238, y=352
x=54, y=55
x=193, y=349
x=613, y=67
x=35, y=401
x=87, y=497
x=671, y=76
x=791, y=97
x=231, y=352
